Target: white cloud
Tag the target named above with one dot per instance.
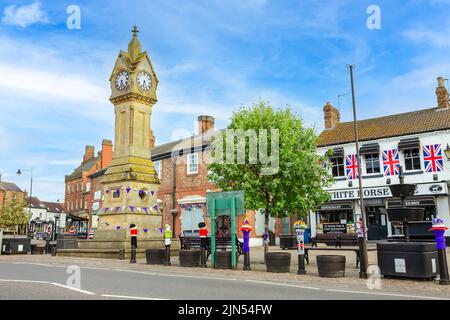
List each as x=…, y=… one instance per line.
x=69, y=162
x=24, y=16
x=440, y=39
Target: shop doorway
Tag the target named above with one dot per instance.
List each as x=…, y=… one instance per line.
x=376, y=223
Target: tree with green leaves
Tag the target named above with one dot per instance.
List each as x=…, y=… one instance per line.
x=14, y=215
x=292, y=184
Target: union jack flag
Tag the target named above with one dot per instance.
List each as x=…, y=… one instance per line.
x=391, y=162
x=351, y=167
x=432, y=158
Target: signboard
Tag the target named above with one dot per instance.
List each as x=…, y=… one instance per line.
x=439, y=188
x=62, y=220
x=334, y=227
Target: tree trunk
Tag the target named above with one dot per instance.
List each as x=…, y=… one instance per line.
x=266, y=233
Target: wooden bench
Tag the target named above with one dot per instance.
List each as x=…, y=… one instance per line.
x=336, y=239
x=193, y=242
x=355, y=250
x=327, y=238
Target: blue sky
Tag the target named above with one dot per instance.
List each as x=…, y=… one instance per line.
x=211, y=56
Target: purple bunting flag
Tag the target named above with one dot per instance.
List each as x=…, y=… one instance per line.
x=146, y=210
x=145, y=230
x=156, y=207
x=152, y=192
x=128, y=189
x=160, y=230
x=132, y=208
x=117, y=209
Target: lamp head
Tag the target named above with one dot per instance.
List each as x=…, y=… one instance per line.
x=19, y=172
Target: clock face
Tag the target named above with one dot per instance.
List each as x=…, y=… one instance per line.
x=144, y=80
x=122, y=80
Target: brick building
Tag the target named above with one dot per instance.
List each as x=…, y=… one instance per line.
x=77, y=200
x=418, y=141
x=10, y=192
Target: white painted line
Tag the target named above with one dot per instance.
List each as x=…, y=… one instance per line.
x=174, y=275
x=283, y=284
x=72, y=288
x=385, y=294
x=130, y=297
x=38, y=264
x=24, y=281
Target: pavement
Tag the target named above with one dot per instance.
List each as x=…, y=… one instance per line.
x=45, y=277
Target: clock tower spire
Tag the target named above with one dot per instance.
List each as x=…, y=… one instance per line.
x=131, y=182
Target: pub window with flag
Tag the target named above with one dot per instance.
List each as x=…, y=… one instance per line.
x=412, y=159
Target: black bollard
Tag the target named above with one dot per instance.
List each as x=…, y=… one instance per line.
x=301, y=264
x=167, y=262
x=247, y=261
x=443, y=267
x=203, y=257
x=133, y=254
x=54, y=251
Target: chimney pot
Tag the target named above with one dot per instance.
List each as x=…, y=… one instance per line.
x=331, y=116
x=442, y=94
x=205, y=123
x=88, y=153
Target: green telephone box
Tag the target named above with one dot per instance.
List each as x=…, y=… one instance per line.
x=227, y=203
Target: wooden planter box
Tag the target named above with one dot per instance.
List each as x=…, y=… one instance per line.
x=279, y=262
x=155, y=256
x=189, y=258
x=35, y=249
x=331, y=266
x=223, y=260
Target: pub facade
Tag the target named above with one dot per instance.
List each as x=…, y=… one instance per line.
x=417, y=141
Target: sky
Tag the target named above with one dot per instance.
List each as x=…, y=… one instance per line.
x=211, y=57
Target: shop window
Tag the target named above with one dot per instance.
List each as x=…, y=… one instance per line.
x=412, y=159
x=372, y=163
x=88, y=187
x=337, y=166
x=192, y=163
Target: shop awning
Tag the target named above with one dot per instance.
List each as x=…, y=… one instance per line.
x=411, y=143
x=330, y=206
x=413, y=202
x=369, y=148
x=77, y=218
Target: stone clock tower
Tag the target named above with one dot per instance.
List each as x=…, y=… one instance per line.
x=131, y=182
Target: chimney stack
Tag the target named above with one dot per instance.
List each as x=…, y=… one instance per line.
x=88, y=153
x=152, y=139
x=331, y=116
x=106, y=154
x=442, y=94
x=205, y=123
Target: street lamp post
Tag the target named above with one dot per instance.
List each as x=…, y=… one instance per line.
x=19, y=172
x=362, y=240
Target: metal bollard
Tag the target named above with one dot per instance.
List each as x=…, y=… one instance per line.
x=167, y=262
x=439, y=231
x=54, y=251
x=133, y=254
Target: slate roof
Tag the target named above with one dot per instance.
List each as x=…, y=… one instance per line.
x=165, y=150
x=54, y=207
x=78, y=172
x=36, y=203
x=427, y=120
x=9, y=186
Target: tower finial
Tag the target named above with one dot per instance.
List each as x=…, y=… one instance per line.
x=135, y=31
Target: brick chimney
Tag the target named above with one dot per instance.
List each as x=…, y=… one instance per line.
x=331, y=116
x=442, y=94
x=106, y=154
x=152, y=139
x=88, y=153
x=205, y=123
